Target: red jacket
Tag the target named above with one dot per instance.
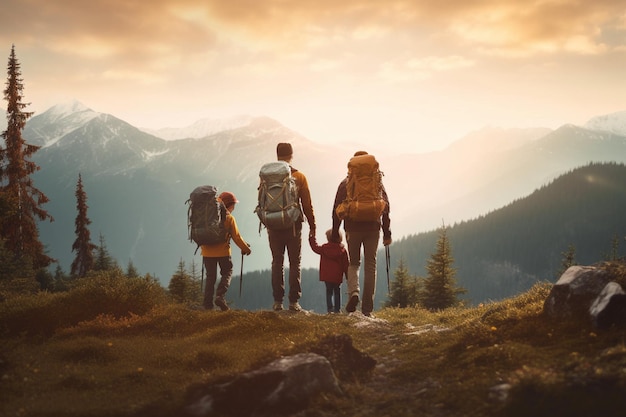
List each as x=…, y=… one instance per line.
x=333, y=260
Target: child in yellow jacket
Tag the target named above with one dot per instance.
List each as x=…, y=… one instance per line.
x=220, y=254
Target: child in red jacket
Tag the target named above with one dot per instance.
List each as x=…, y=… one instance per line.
x=333, y=267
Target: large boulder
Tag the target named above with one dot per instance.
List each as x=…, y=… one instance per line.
x=285, y=386
x=575, y=291
x=609, y=308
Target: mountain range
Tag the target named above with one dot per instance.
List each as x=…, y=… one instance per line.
x=137, y=182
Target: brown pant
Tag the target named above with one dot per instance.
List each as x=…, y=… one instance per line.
x=290, y=239
x=369, y=240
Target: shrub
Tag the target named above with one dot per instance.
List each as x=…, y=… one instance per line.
x=100, y=293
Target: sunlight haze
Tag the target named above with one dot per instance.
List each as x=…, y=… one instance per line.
x=410, y=76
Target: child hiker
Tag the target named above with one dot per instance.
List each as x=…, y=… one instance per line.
x=219, y=254
x=333, y=267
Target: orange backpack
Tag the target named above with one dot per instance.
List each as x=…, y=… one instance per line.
x=364, y=200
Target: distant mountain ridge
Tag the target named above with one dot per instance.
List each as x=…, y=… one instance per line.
x=509, y=249
x=137, y=183
x=201, y=128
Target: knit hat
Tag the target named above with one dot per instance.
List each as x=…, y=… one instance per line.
x=228, y=198
x=284, y=149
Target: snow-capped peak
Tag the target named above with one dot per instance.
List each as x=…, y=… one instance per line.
x=201, y=128
x=66, y=109
x=613, y=122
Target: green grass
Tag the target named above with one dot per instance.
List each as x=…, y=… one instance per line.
x=146, y=360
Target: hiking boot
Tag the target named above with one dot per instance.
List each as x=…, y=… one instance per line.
x=295, y=306
x=278, y=306
x=352, y=303
x=221, y=303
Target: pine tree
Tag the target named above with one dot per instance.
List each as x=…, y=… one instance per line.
x=19, y=227
x=183, y=287
x=84, y=248
x=403, y=288
x=439, y=287
x=568, y=260
x=131, y=271
x=179, y=283
x=103, y=261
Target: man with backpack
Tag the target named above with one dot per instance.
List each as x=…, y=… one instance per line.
x=220, y=254
x=284, y=196
x=362, y=204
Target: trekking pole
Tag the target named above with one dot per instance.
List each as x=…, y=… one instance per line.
x=241, y=275
x=202, y=277
x=387, y=263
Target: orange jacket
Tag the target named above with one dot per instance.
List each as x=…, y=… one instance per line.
x=223, y=249
x=305, y=196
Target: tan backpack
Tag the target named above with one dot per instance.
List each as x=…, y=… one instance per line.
x=364, y=200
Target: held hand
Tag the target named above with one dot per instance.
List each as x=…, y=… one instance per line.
x=387, y=241
x=312, y=231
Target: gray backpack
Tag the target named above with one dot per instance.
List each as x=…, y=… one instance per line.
x=278, y=203
x=205, y=217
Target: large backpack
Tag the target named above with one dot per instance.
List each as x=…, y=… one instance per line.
x=278, y=203
x=364, y=188
x=206, y=216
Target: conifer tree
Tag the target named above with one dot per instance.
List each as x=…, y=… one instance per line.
x=131, y=271
x=439, y=287
x=84, y=248
x=103, y=261
x=179, y=283
x=19, y=227
x=403, y=288
x=569, y=259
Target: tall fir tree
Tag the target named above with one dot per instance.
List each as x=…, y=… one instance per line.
x=19, y=226
x=440, y=290
x=84, y=248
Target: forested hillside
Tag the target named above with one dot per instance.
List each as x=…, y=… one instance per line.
x=505, y=251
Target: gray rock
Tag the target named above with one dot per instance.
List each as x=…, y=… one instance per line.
x=609, y=308
x=575, y=291
x=282, y=387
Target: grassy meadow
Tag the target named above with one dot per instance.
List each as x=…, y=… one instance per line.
x=119, y=347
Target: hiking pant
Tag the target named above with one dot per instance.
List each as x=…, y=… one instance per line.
x=226, y=272
x=369, y=240
x=333, y=297
x=290, y=239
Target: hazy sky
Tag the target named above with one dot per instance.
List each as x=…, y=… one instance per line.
x=414, y=74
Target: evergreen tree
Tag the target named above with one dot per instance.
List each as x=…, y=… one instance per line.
x=131, y=271
x=19, y=227
x=403, y=288
x=439, y=287
x=84, y=248
x=614, y=254
x=179, y=283
x=103, y=261
x=61, y=280
x=567, y=260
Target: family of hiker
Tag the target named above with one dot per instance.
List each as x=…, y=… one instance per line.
x=284, y=203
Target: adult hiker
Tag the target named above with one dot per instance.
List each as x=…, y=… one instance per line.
x=284, y=196
x=362, y=204
x=220, y=254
